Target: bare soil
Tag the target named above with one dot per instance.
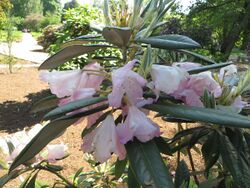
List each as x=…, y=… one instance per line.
x=19, y=91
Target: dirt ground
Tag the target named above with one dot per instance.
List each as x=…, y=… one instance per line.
x=18, y=92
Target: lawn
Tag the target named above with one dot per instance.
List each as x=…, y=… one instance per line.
x=17, y=35
x=36, y=34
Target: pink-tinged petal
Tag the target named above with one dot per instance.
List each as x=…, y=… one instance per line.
x=166, y=78
x=115, y=97
x=202, y=81
x=62, y=83
x=191, y=89
x=15, y=153
x=86, y=146
x=238, y=103
x=125, y=81
x=125, y=133
x=142, y=127
x=106, y=141
x=77, y=95
x=56, y=151
x=192, y=99
x=89, y=78
x=186, y=65
x=133, y=90
x=144, y=102
x=91, y=119
x=130, y=65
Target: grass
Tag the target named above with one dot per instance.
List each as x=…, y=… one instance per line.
x=36, y=34
x=16, y=34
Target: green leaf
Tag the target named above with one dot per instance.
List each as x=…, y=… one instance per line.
x=146, y=63
x=79, y=171
x=54, y=167
x=210, y=150
x=197, y=135
x=32, y=182
x=247, y=138
x=163, y=146
x=120, y=167
x=96, y=27
x=118, y=36
x=185, y=132
x=198, y=56
x=170, y=42
x=146, y=163
x=211, y=183
x=81, y=42
x=236, y=163
x=75, y=105
x=47, y=134
x=25, y=182
x=208, y=67
x=132, y=181
x=7, y=177
x=182, y=176
x=202, y=115
x=68, y=53
x=45, y=104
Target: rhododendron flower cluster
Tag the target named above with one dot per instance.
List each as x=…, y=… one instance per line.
x=13, y=144
x=127, y=94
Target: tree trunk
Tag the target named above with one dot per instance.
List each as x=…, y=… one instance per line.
x=232, y=37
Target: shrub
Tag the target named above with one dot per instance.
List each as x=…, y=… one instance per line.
x=49, y=36
x=33, y=22
x=50, y=19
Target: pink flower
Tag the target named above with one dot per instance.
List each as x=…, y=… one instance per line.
x=77, y=95
x=62, y=83
x=238, y=103
x=126, y=81
x=91, y=79
x=186, y=65
x=66, y=83
x=191, y=89
x=15, y=153
x=137, y=125
x=106, y=141
x=166, y=78
x=56, y=151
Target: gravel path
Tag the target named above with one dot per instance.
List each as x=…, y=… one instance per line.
x=27, y=49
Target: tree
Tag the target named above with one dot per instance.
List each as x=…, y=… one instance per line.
x=22, y=8
x=71, y=4
x=51, y=6
x=5, y=5
x=228, y=18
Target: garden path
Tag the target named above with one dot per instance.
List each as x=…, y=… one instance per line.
x=27, y=49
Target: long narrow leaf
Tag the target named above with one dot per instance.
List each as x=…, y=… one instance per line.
x=208, y=67
x=75, y=105
x=198, y=56
x=68, y=53
x=147, y=164
x=235, y=162
x=202, y=115
x=45, y=104
x=170, y=42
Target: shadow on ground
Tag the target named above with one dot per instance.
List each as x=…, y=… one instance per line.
x=15, y=116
